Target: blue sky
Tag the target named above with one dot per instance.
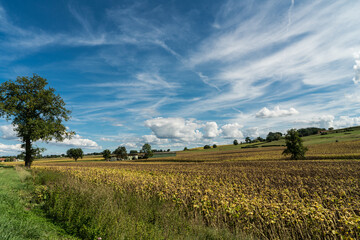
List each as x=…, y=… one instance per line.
x=185, y=73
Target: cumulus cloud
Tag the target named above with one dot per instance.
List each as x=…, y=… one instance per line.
x=346, y=121
x=10, y=148
x=105, y=139
x=277, y=112
x=252, y=132
x=211, y=130
x=8, y=132
x=152, y=139
x=78, y=141
x=232, y=131
x=356, y=78
x=324, y=121
x=174, y=128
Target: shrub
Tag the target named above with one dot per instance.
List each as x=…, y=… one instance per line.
x=214, y=146
x=207, y=147
x=235, y=142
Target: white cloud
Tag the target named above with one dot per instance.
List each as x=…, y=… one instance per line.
x=174, y=128
x=269, y=54
x=346, y=121
x=323, y=121
x=10, y=148
x=105, y=139
x=154, y=140
x=130, y=145
x=277, y=112
x=232, y=130
x=252, y=132
x=8, y=132
x=78, y=141
x=356, y=78
x=211, y=130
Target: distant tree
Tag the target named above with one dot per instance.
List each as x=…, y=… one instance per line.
x=21, y=156
x=168, y=150
x=75, y=153
x=235, y=142
x=294, y=145
x=133, y=151
x=331, y=128
x=36, y=112
x=120, y=152
x=185, y=149
x=207, y=147
x=247, y=140
x=147, y=150
x=106, y=154
x=309, y=131
x=214, y=146
x=260, y=139
x=273, y=136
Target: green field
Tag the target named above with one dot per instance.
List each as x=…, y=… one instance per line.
x=18, y=219
x=339, y=135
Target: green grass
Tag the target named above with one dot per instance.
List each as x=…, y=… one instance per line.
x=17, y=219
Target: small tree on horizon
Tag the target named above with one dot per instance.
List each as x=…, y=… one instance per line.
x=146, y=148
x=294, y=145
x=207, y=147
x=75, y=153
x=235, y=142
x=214, y=146
x=121, y=152
x=106, y=154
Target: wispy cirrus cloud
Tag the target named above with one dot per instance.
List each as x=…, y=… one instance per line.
x=252, y=56
x=356, y=78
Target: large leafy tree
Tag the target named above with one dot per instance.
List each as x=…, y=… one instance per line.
x=75, y=153
x=146, y=148
x=106, y=154
x=36, y=112
x=294, y=145
x=121, y=152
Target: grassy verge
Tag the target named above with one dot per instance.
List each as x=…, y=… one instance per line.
x=17, y=219
x=91, y=211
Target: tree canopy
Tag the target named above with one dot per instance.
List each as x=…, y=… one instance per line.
x=121, y=152
x=75, y=153
x=294, y=145
x=235, y=142
x=106, y=154
x=309, y=131
x=36, y=112
x=146, y=148
x=273, y=136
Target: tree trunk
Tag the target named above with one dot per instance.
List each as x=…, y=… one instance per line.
x=28, y=157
